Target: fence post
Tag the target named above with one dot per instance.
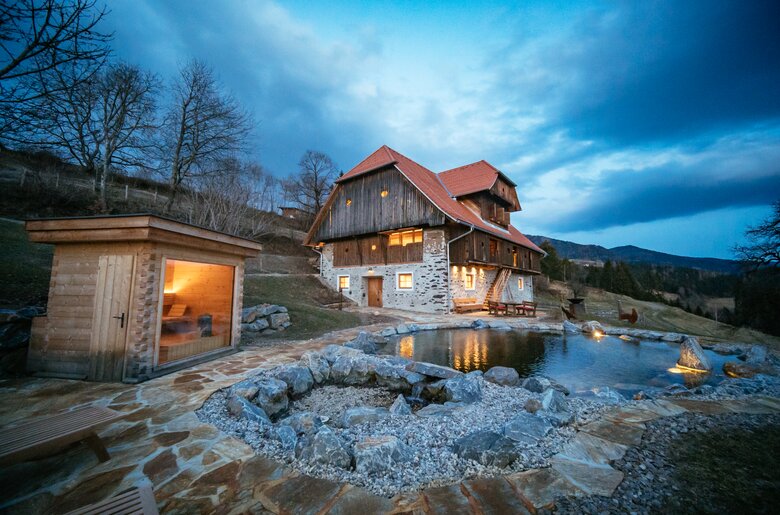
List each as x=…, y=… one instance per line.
x=126, y=190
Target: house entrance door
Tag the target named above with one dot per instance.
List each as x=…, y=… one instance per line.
x=111, y=318
x=375, y=292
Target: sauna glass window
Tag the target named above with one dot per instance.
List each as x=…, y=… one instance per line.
x=520, y=283
x=343, y=282
x=197, y=309
x=471, y=282
x=405, y=281
x=405, y=238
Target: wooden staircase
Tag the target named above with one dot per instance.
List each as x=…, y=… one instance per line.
x=497, y=288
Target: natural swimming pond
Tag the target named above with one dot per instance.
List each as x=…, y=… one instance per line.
x=578, y=361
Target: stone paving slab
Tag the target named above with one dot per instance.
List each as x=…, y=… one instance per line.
x=358, y=501
x=632, y=415
x=304, y=495
x=494, y=495
x=542, y=487
x=747, y=406
x=587, y=447
x=626, y=434
x=444, y=500
x=591, y=478
x=704, y=407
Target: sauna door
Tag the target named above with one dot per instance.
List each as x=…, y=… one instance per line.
x=111, y=317
x=375, y=292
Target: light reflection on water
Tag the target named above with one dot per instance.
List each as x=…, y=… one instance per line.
x=577, y=361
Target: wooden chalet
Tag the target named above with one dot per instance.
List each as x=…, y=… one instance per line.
x=133, y=297
x=395, y=234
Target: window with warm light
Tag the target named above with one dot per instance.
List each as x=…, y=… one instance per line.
x=405, y=281
x=404, y=238
x=471, y=282
x=384, y=193
x=348, y=202
x=343, y=282
x=197, y=309
x=520, y=283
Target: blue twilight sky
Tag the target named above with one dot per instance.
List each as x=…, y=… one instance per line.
x=652, y=123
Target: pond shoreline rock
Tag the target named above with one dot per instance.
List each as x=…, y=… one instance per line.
x=692, y=356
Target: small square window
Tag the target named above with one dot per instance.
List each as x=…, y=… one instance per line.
x=343, y=282
x=471, y=283
x=405, y=281
x=520, y=283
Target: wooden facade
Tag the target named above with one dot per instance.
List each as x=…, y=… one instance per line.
x=372, y=203
x=106, y=299
x=487, y=250
x=374, y=250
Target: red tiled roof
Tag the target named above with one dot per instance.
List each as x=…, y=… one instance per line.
x=471, y=178
x=433, y=187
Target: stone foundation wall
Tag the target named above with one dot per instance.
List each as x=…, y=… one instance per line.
x=429, y=292
x=483, y=279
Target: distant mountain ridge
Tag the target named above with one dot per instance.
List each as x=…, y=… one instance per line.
x=632, y=254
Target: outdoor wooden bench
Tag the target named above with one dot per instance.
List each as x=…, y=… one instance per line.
x=465, y=304
x=47, y=435
x=529, y=308
x=130, y=502
x=495, y=308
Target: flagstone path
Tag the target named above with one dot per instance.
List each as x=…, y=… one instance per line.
x=194, y=468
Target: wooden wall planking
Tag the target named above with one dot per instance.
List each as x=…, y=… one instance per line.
x=369, y=212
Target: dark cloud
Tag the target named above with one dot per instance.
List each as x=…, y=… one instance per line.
x=627, y=197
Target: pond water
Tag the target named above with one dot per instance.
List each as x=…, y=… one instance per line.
x=579, y=362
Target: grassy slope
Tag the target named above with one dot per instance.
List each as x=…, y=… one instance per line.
x=602, y=306
x=24, y=267
x=298, y=293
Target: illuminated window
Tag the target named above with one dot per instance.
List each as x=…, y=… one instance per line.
x=471, y=283
x=349, y=201
x=404, y=238
x=343, y=282
x=520, y=283
x=405, y=281
x=373, y=247
x=384, y=193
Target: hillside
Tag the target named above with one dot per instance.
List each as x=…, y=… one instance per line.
x=632, y=254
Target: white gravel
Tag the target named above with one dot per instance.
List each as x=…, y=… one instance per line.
x=432, y=461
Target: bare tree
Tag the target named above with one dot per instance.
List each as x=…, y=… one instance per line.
x=763, y=249
x=203, y=126
x=37, y=38
x=311, y=185
x=105, y=122
x=227, y=202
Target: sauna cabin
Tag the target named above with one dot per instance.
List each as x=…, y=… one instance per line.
x=136, y=296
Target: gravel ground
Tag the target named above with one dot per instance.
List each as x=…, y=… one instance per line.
x=696, y=464
x=432, y=461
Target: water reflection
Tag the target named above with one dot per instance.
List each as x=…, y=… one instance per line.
x=577, y=361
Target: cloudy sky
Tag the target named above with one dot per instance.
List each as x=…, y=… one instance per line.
x=655, y=124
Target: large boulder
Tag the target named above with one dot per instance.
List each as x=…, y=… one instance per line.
x=256, y=326
x=486, y=447
x=361, y=371
x=400, y=406
x=608, y=395
x=304, y=423
x=363, y=342
x=593, y=326
x=333, y=352
x=379, y=454
x=504, y=376
x=692, y=356
x=756, y=355
x=246, y=389
x=569, y=327
x=299, y=379
x=539, y=384
x=463, y=388
x=431, y=370
x=341, y=368
x=317, y=365
x=555, y=408
x=526, y=428
x=271, y=395
x=479, y=324
x=326, y=448
x=287, y=436
x=278, y=320
x=248, y=315
x=241, y=408
x=363, y=415
x=395, y=377
x=747, y=370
